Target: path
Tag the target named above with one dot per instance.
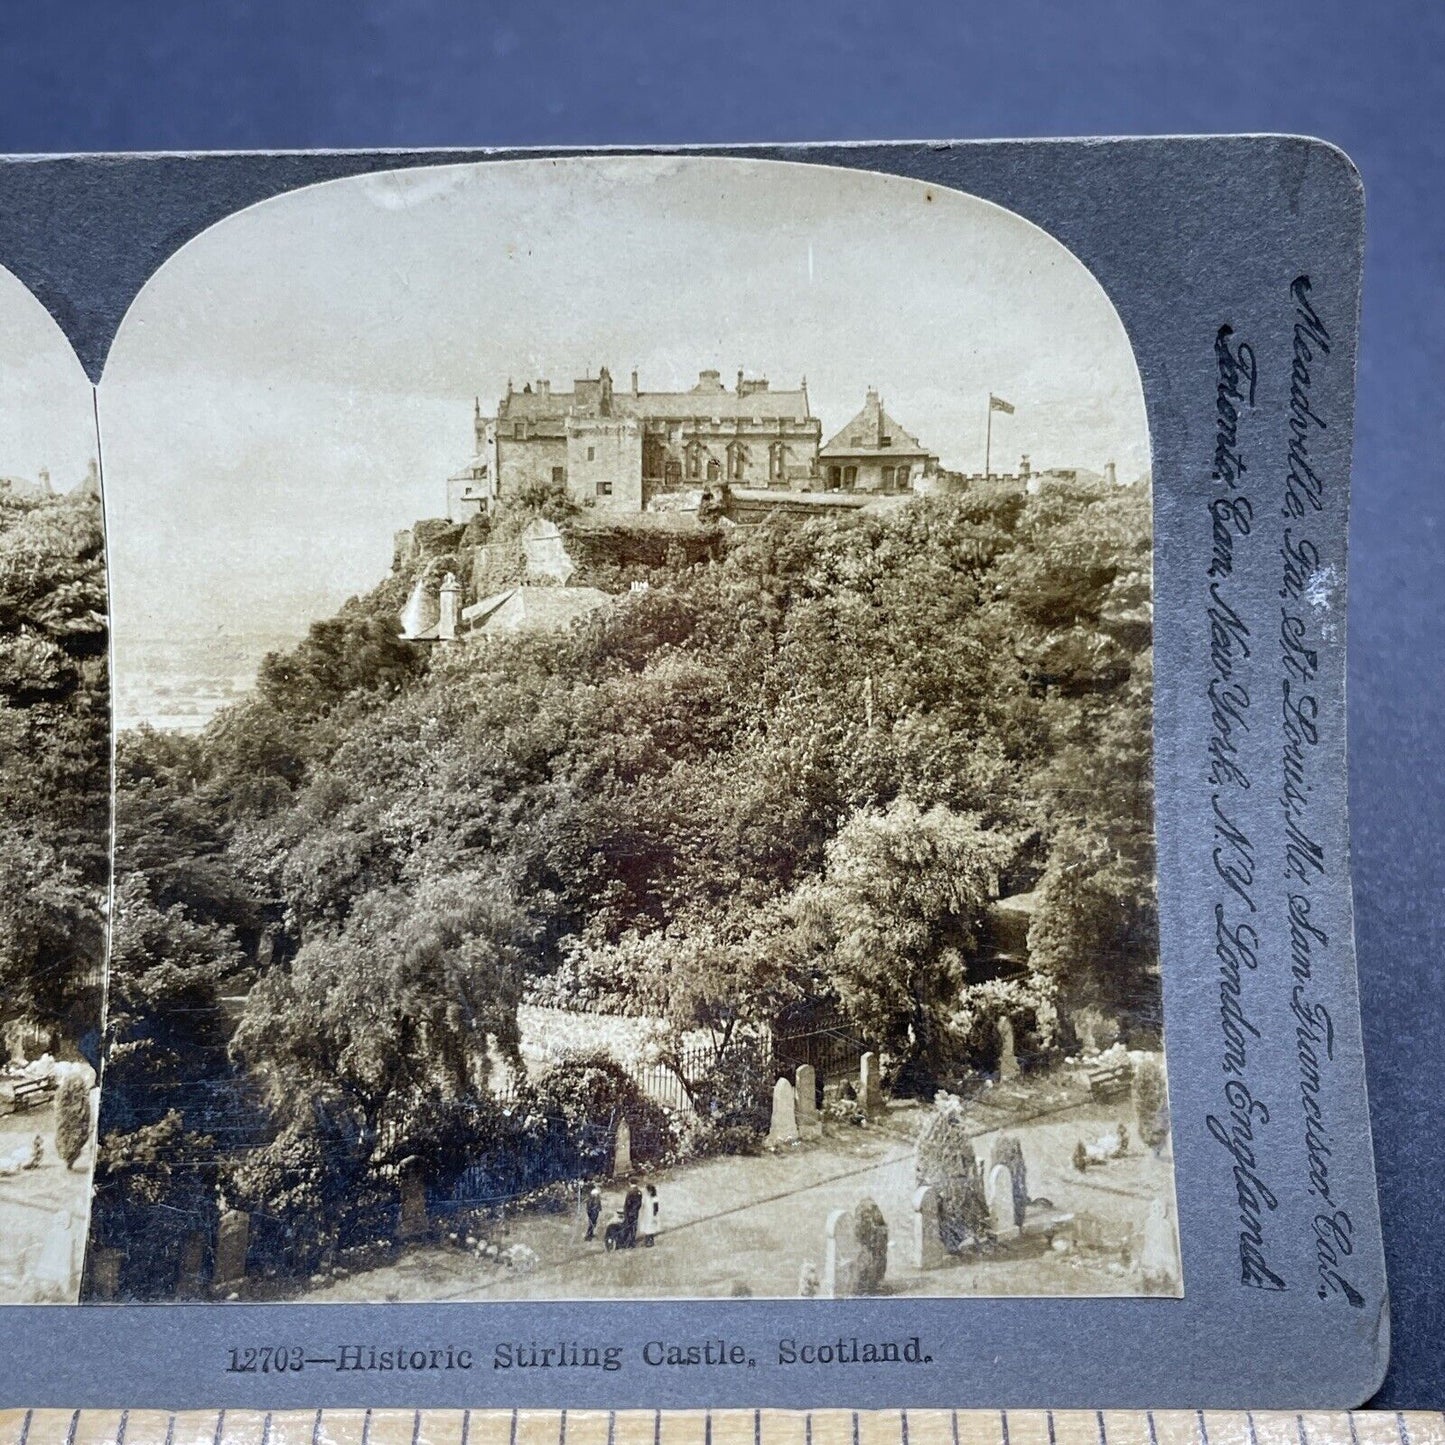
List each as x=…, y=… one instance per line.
x=745, y=1225
x=43, y=1214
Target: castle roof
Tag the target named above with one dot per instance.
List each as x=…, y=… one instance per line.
x=533, y=609
x=709, y=398
x=475, y=468
x=873, y=430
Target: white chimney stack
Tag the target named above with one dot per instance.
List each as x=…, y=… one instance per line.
x=451, y=607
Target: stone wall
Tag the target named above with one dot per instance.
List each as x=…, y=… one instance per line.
x=604, y=464
x=530, y=463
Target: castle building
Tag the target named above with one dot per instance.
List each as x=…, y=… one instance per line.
x=618, y=449
x=874, y=454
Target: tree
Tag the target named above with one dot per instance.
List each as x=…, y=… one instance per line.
x=896, y=920
x=398, y=1004
x=51, y=936
x=171, y=1101
x=54, y=755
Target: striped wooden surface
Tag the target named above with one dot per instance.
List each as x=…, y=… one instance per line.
x=719, y=1427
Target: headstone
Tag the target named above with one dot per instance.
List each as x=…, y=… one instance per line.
x=1008, y=1064
x=840, y=1256
x=870, y=1085
x=784, y=1126
x=413, y=1223
x=622, y=1150
x=233, y=1235
x=193, y=1265
x=810, y=1123
x=928, y=1250
x=999, y=1195
x=105, y=1274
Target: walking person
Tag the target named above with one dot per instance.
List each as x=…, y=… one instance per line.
x=651, y=1212
x=631, y=1215
x=594, y=1210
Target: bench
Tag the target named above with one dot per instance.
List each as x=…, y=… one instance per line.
x=1111, y=1081
x=30, y=1093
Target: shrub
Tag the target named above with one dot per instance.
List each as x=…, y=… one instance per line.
x=72, y=1119
x=575, y=1109
x=294, y=1196
x=734, y=1100
x=1151, y=1102
x=1009, y=1152
x=870, y=1230
x=449, y=1135
x=944, y=1158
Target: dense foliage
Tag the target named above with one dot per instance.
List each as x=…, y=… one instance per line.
x=800, y=764
x=54, y=757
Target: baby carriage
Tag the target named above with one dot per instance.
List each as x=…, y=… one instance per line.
x=621, y=1233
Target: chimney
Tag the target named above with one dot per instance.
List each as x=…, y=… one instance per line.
x=1110, y=476
x=740, y=381
x=634, y=381
x=451, y=607
x=544, y=388
x=1024, y=469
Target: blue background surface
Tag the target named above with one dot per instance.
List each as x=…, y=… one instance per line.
x=232, y=75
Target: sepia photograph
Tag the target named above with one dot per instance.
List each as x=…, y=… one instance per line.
x=633, y=768
x=54, y=802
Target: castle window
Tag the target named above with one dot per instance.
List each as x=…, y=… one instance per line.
x=519, y=429
x=904, y=473
x=835, y=477
x=604, y=489
x=850, y=478
x=591, y=454
x=559, y=476
x=714, y=472
x=694, y=459
x=888, y=475
x=885, y=441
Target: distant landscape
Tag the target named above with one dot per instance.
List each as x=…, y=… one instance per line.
x=179, y=683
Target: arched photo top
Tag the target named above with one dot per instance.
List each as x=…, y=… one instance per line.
x=322, y=354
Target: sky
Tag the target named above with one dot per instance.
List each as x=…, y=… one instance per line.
x=47, y=417
x=296, y=383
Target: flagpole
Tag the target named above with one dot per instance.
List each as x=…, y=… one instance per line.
x=988, y=437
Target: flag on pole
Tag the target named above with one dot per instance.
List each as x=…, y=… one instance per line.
x=997, y=403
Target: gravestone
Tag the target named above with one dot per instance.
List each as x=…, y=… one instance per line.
x=999, y=1195
x=784, y=1126
x=413, y=1223
x=840, y=1256
x=1008, y=1064
x=810, y=1124
x=105, y=1274
x=233, y=1236
x=193, y=1266
x=622, y=1150
x=870, y=1085
x=928, y=1250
